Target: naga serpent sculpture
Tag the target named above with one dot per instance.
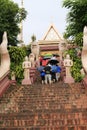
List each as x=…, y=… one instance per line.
x=4, y=56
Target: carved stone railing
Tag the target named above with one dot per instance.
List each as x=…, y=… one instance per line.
x=63, y=71
x=33, y=75
x=4, y=83
x=84, y=55
x=4, y=65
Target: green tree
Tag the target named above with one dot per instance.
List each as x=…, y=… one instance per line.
x=17, y=55
x=27, y=49
x=10, y=16
x=76, y=19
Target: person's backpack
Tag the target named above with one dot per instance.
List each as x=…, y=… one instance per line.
x=54, y=68
x=47, y=69
x=58, y=69
x=42, y=73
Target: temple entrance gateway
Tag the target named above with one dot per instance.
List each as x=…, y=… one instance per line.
x=50, y=43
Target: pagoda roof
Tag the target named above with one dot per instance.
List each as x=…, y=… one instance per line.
x=52, y=34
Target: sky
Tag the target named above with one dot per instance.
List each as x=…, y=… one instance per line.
x=42, y=13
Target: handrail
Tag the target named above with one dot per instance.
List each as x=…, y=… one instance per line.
x=4, y=65
x=4, y=75
x=84, y=49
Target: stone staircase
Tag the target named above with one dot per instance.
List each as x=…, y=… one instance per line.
x=44, y=107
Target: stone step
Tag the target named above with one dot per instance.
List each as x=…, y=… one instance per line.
x=46, y=120
x=49, y=128
x=42, y=98
x=44, y=107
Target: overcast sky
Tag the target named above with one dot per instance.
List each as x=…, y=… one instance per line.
x=41, y=13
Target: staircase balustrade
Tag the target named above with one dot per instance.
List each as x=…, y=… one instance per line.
x=4, y=83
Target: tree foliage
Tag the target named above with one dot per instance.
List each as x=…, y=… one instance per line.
x=76, y=19
x=10, y=16
x=17, y=55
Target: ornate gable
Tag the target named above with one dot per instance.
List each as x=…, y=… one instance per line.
x=52, y=34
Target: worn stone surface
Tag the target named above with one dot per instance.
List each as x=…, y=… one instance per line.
x=44, y=107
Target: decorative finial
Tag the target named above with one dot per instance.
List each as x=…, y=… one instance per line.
x=22, y=3
x=51, y=19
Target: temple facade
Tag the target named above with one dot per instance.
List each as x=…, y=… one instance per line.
x=50, y=42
